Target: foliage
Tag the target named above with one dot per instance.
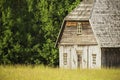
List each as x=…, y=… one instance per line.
x=28, y=30
x=45, y=73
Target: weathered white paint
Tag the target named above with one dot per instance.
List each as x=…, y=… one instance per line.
x=74, y=57
x=87, y=52
x=94, y=50
x=60, y=56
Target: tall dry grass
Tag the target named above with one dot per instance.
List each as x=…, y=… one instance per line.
x=21, y=72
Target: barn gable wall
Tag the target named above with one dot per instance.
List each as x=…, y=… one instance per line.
x=70, y=35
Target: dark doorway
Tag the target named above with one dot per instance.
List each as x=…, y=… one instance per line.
x=79, y=60
x=110, y=57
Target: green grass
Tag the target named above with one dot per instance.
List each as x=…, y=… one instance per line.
x=19, y=72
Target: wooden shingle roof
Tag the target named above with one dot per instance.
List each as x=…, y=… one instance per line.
x=105, y=21
x=81, y=12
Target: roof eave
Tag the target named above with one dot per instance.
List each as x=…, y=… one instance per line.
x=60, y=33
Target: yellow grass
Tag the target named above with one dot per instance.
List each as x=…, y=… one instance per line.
x=45, y=73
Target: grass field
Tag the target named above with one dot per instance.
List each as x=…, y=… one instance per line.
x=45, y=73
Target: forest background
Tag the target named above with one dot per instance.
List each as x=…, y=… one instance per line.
x=29, y=29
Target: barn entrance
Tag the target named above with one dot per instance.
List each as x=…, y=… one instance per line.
x=79, y=59
x=110, y=57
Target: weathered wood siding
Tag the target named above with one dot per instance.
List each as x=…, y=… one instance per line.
x=110, y=57
x=94, y=50
x=105, y=21
x=86, y=53
x=70, y=35
x=62, y=50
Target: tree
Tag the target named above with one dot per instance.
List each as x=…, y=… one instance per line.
x=29, y=28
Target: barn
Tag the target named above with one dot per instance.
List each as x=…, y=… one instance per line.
x=88, y=38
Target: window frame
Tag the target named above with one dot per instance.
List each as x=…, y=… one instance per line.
x=65, y=58
x=79, y=28
x=94, y=59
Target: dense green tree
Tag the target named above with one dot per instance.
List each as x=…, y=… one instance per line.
x=29, y=28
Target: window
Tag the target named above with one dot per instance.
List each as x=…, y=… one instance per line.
x=94, y=58
x=79, y=28
x=65, y=58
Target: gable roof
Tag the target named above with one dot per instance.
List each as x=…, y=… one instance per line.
x=105, y=21
x=80, y=13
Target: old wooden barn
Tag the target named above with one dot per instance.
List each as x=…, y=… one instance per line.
x=90, y=36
